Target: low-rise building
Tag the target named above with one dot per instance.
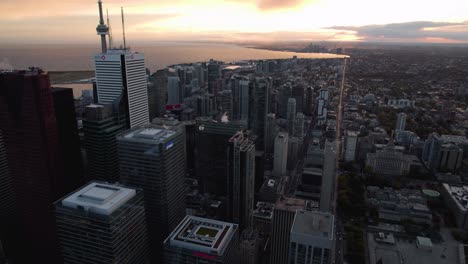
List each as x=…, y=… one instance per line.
x=456, y=198
x=397, y=205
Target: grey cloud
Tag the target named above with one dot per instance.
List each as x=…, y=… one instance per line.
x=411, y=30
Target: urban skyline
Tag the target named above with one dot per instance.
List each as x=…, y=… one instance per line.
x=357, y=156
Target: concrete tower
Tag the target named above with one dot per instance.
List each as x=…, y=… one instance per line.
x=102, y=29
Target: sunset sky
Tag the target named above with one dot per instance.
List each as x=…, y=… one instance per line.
x=74, y=21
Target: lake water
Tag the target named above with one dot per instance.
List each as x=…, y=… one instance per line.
x=79, y=57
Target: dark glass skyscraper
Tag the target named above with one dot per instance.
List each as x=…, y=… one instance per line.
x=69, y=140
x=211, y=143
x=152, y=157
x=241, y=178
x=103, y=223
x=259, y=109
x=101, y=126
x=6, y=195
x=29, y=126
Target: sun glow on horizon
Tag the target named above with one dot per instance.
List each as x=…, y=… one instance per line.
x=231, y=19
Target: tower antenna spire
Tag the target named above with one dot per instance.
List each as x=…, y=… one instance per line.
x=110, y=30
x=123, y=29
x=102, y=29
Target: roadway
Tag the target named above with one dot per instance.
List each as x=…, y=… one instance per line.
x=338, y=251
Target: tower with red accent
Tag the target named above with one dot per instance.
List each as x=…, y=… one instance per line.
x=121, y=79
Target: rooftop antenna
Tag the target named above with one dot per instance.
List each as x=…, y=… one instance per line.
x=110, y=30
x=123, y=29
x=102, y=29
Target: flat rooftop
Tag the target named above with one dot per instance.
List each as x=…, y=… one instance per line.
x=264, y=210
x=454, y=139
x=150, y=133
x=459, y=193
x=406, y=251
x=99, y=198
x=202, y=235
x=313, y=223
x=290, y=204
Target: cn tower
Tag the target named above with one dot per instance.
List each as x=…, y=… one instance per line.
x=102, y=29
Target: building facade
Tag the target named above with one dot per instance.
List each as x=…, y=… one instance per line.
x=283, y=219
x=29, y=126
x=152, y=158
x=241, y=179
x=103, y=223
x=101, y=125
x=312, y=237
x=121, y=74
x=69, y=140
x=280, y=158
x=291, y=116
x=401, y=122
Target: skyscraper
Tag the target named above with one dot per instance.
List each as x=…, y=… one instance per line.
x=270, y=133
x=160, y=80
x=240, y=95
x=214, y=73
x=299, y=126
x=121, y=75
x=69, y=140
x=7, y=195
x=211, y=144
x=298, y=94
x=283, y=218
x=152, y=157
x=29, y=126
x=401, y=122
x=103, y=223
x=174, y=91
x=101, y=125
x=202, y=240
x=309, y=101
x=328, y=176
x=293, y=151
x=285, y=94
x=281, y=154
x=224, y=101
x=259, y=109
x=241, y=179
x=291, y=116
x=312, y=236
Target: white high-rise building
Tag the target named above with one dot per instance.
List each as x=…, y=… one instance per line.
x=401, y=122
x=312, y=238
x=121, y=73
x=280, y=155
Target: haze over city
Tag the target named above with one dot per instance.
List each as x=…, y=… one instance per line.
x=234, y=132
x=73, y=21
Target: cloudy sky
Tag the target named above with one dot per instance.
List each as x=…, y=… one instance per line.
x=74, y=21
